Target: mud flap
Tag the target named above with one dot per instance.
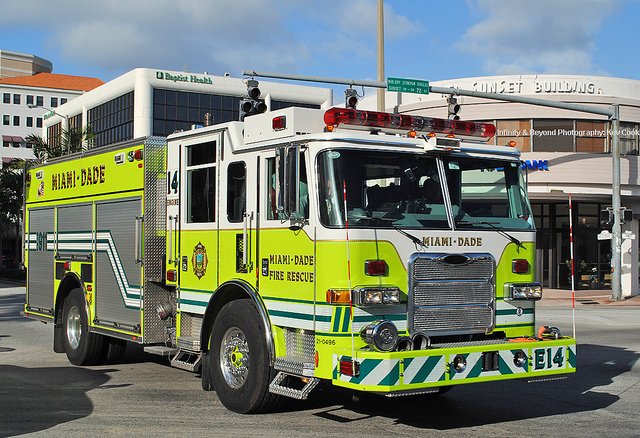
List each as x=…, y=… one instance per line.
x=58, y=338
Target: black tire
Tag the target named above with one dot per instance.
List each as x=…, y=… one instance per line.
x=81, y=346
x=239, y=360
x=112, y=350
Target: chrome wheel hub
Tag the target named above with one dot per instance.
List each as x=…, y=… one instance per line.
x=234, y=357
x=74, y=327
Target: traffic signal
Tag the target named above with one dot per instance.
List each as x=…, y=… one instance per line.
x=606, y=216
x=350, y=98
x=454, y=108
x=252, y=104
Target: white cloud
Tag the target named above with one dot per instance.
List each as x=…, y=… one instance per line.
x=118, y=35
x=546, y=36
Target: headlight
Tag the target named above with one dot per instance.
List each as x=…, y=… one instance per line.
x=376, y=296
x=531, y=291
x=381, y=335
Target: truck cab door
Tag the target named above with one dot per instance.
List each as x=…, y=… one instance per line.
x=287, y=247
x=198, y=221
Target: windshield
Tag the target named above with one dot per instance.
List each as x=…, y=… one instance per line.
x=487, y=193
x=405, y=190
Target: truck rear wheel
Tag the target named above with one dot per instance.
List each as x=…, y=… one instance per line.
x=239, y=363
x=81, y=346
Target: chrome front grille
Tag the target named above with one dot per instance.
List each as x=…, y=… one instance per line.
x=451, y=294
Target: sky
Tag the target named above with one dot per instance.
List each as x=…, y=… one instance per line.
x=430, y=40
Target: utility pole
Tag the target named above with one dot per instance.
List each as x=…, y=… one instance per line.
x=381, y=91
x=616, y=229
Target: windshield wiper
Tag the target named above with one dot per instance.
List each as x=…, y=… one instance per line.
x=492, y=225
x=389, y=220
x=413, y=238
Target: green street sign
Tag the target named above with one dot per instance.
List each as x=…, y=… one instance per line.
x=408, y=85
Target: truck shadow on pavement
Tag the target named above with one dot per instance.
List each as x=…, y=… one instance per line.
x=35, y=399
x=488, y=403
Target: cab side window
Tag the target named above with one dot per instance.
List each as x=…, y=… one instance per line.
x=236, y=191
x=201, y=182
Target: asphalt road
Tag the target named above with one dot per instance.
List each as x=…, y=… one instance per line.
x=41, y=394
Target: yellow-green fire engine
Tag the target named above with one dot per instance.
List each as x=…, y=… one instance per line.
x=381, y=252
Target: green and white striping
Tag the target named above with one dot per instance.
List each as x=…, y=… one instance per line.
x=295, y=314
x=130, y=294
x=425, y=369
x=75, y=241
x=48, y=243
x=373, y=372
x=506, y=366
x=514, y=313
x=193, y=301
x=571, y=356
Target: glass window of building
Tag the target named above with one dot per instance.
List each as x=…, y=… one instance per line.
x=628, y=138
x=39, y=101
x=514, y=130
x=29, y=99
x=179, y=110
x=16, y=99
x=54, y=102
x=552, y=135
x=39, y=122
x=6, y=120
x=16, y=120
x=63, y=101
x=6, y=98
x=29, y=122
x=591, y=137
x=112, y=121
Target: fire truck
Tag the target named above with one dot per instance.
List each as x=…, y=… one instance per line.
x=380, y=252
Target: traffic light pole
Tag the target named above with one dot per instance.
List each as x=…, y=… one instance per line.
x=616, y=229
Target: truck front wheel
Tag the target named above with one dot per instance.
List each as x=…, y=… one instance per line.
x=81, y=346
x=239, y=361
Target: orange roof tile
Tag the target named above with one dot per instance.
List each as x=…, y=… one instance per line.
x=52, y=80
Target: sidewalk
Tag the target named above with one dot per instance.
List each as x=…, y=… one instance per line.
x=585, y=297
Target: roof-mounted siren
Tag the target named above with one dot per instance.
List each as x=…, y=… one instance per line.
x=411, y=126
x=350, y=98
x=252, y=104
x=453, y=108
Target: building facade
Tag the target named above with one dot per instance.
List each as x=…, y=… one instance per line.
x=565, y=153
x=149, y=102
x=14, y=64
x=29, y=92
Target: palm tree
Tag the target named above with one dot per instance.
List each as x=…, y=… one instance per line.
x=69, y=141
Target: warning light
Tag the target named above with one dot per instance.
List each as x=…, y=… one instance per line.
x=349, y=116
x=337, y=296
x=279, y=123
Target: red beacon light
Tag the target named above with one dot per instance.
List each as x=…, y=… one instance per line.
x=373, y=119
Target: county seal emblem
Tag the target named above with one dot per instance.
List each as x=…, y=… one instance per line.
x=199, y=260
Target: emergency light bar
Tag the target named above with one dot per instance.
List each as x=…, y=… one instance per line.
x=336, y=116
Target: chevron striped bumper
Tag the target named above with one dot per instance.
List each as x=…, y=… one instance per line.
x=408, y=372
